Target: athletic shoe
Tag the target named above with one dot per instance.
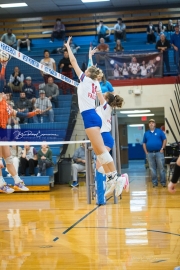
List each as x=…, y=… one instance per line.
x=110, y=186
x=126, y=186
x=9, y=175
x=21, y=187
x=120, y=183
x=6, y=189
x=74, y=184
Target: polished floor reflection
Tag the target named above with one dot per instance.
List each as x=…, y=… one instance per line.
x=58, y=230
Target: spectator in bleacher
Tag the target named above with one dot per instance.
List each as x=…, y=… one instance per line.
x=102, y=31
x=163, y=45
x=28, y=159
x=48, y=62
x=175, y=43
x=16, y=80
x=120, y=30
x=44, y=159
x=134, y=68
x=79, y=163
x=13, y=121
x=60, y=50
x=125, y=71
x=102, y=47
x=67, y=70
x=23, y=105
x=30, y=90
x=151, y=33
x=170, y=27
x=16, y=152
x=44, y=104
x=74, y=47
x=9, y=38
x=118, y=47
x=59, y=31
x=9, y=99
x=160, y=28
x=24, y=43
x=52, y=91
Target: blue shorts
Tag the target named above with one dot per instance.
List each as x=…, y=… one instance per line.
x=108, y=139
x=91, y=119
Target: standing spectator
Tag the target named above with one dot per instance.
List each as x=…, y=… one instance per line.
x=102, y=31
x=74, y=47
x=102, y=47
x=44, y=159
x=118, y=47
x=9, y=38
x=30, y=90
x=154, y=143
x=16, y=80
x=24, y=43
x=23, y=105
x=120, y=30
x=66, y=69
x=28, y=159
x=150, y=33
x=44, y=104
x=49, y=62
x=59, y=31
x=79, y=163
x=51, y=91
x=16, y=152
x=175, y=42
x=163, y=45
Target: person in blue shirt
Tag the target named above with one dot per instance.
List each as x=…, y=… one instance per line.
x=105, y=85
x=102, y=31
x=175, y=43
x=154, y=143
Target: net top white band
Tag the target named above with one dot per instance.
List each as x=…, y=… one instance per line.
x=41, y=143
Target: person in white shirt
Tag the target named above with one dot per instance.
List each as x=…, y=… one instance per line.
x=16, y=80
x=120, y=30
x=125, y=71
x=87, y=90
x=143, y=69
x=48, y=62
x=102, y=31
x=134, y=68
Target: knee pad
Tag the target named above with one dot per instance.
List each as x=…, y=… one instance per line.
x=101, y=170
x=9, y=160
x=104, y=158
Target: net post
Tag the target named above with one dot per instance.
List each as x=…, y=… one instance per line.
x=88, y=191
x=113, y=130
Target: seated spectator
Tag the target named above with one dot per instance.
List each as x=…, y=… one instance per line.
x=102, y=47
x=150, y=33
x=24, y=43
x=44, y=159
x=134, y=68
x=74, y=47
x=28, y=159
x=79, y=164
x=102, y=31
x=9, y=99
x=9, y=38
x=16, y=80
x=52, y=91
x=60, y=50
x=16, y=152
x=161, y=28
x=44, y=104
x=67, y=70
x=120, y=30
x=30, y=90
x=49, y=62
x=163, y=45
x=23, y=105
x=105, y=85
x=59, y=31
x=118, y=47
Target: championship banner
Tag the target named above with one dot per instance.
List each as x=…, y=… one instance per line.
x=133, y=66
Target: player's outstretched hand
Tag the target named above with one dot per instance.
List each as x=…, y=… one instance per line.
x=171, y=187
x=68, y=41
x=92, y=51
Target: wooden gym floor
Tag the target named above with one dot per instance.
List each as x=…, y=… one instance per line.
x=58, y=230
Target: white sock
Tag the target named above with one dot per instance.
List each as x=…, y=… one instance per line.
x=101, y=170
x=2, y=181
x=28, y=48
x=17, y=179
x=111, y=175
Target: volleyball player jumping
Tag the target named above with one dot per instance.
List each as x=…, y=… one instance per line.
x=87, y=90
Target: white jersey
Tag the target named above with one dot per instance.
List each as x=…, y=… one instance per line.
x=87, y=92
x=134, y=67
x=143, y=70
x=104, y=111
